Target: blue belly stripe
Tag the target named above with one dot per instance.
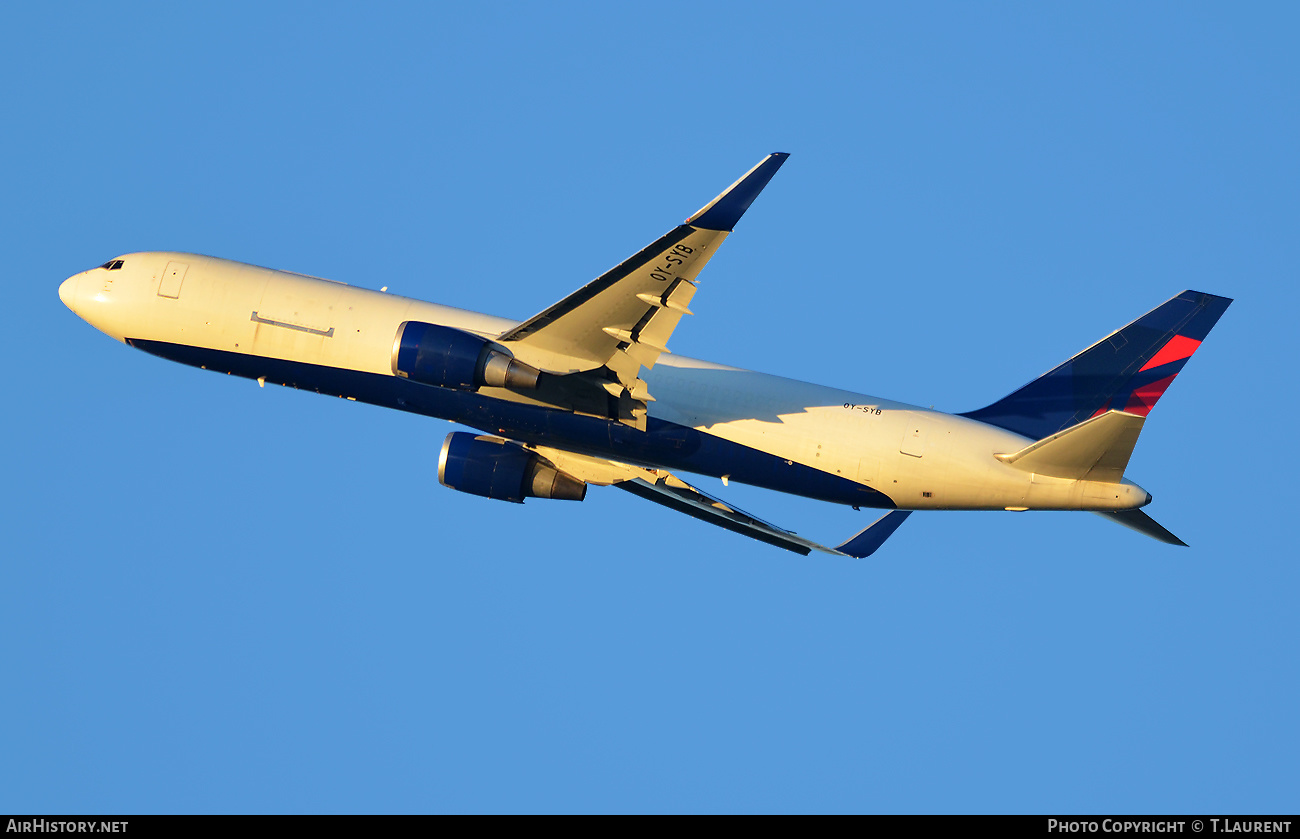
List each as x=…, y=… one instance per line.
x=663, y=444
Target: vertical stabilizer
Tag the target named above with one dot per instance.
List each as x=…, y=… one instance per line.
x=1126, y=371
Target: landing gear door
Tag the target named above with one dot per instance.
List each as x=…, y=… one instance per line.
x=173, y=276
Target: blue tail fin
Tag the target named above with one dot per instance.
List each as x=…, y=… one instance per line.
x=1126, y=371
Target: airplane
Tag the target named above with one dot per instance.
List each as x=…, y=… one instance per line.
x=586, y=392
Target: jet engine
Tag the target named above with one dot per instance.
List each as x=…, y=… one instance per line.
x=447, y=357
x=497, y=468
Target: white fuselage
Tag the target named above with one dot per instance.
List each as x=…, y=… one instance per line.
x=917, y=458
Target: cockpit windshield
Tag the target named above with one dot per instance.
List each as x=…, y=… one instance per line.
x=113, y=265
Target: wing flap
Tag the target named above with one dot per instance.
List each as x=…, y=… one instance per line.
x=592, y=470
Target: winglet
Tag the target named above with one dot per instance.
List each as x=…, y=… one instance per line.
x=869, y=540
x=723, y=212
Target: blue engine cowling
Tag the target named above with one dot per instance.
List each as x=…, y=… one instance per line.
x=497, y=468
x=446, y=357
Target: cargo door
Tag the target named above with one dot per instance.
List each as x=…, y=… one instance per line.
x=299, y=304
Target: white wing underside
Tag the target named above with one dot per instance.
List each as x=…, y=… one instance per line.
x=666, y=489
x=620, y=322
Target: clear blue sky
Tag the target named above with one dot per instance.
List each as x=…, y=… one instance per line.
x=219, y=598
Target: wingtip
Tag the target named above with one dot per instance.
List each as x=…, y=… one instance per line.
x=723, y=212
x=1208, y=294
x=873, y=535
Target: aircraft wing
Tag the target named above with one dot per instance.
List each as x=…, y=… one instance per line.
x=622, y=320
x=666, y=489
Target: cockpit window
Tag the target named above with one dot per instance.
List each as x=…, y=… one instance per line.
x=113, y=265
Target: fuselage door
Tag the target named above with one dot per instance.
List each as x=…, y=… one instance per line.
x=915, y=434
x=293, y=310
x=173, y=276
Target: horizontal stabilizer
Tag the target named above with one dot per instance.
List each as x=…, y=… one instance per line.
x=1094, y=450
x=1142, y=523
x=869, y=540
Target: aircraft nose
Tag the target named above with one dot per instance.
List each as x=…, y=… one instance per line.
x=68, y=291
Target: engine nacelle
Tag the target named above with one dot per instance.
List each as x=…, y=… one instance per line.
x=497, y=468
x=440, y=355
